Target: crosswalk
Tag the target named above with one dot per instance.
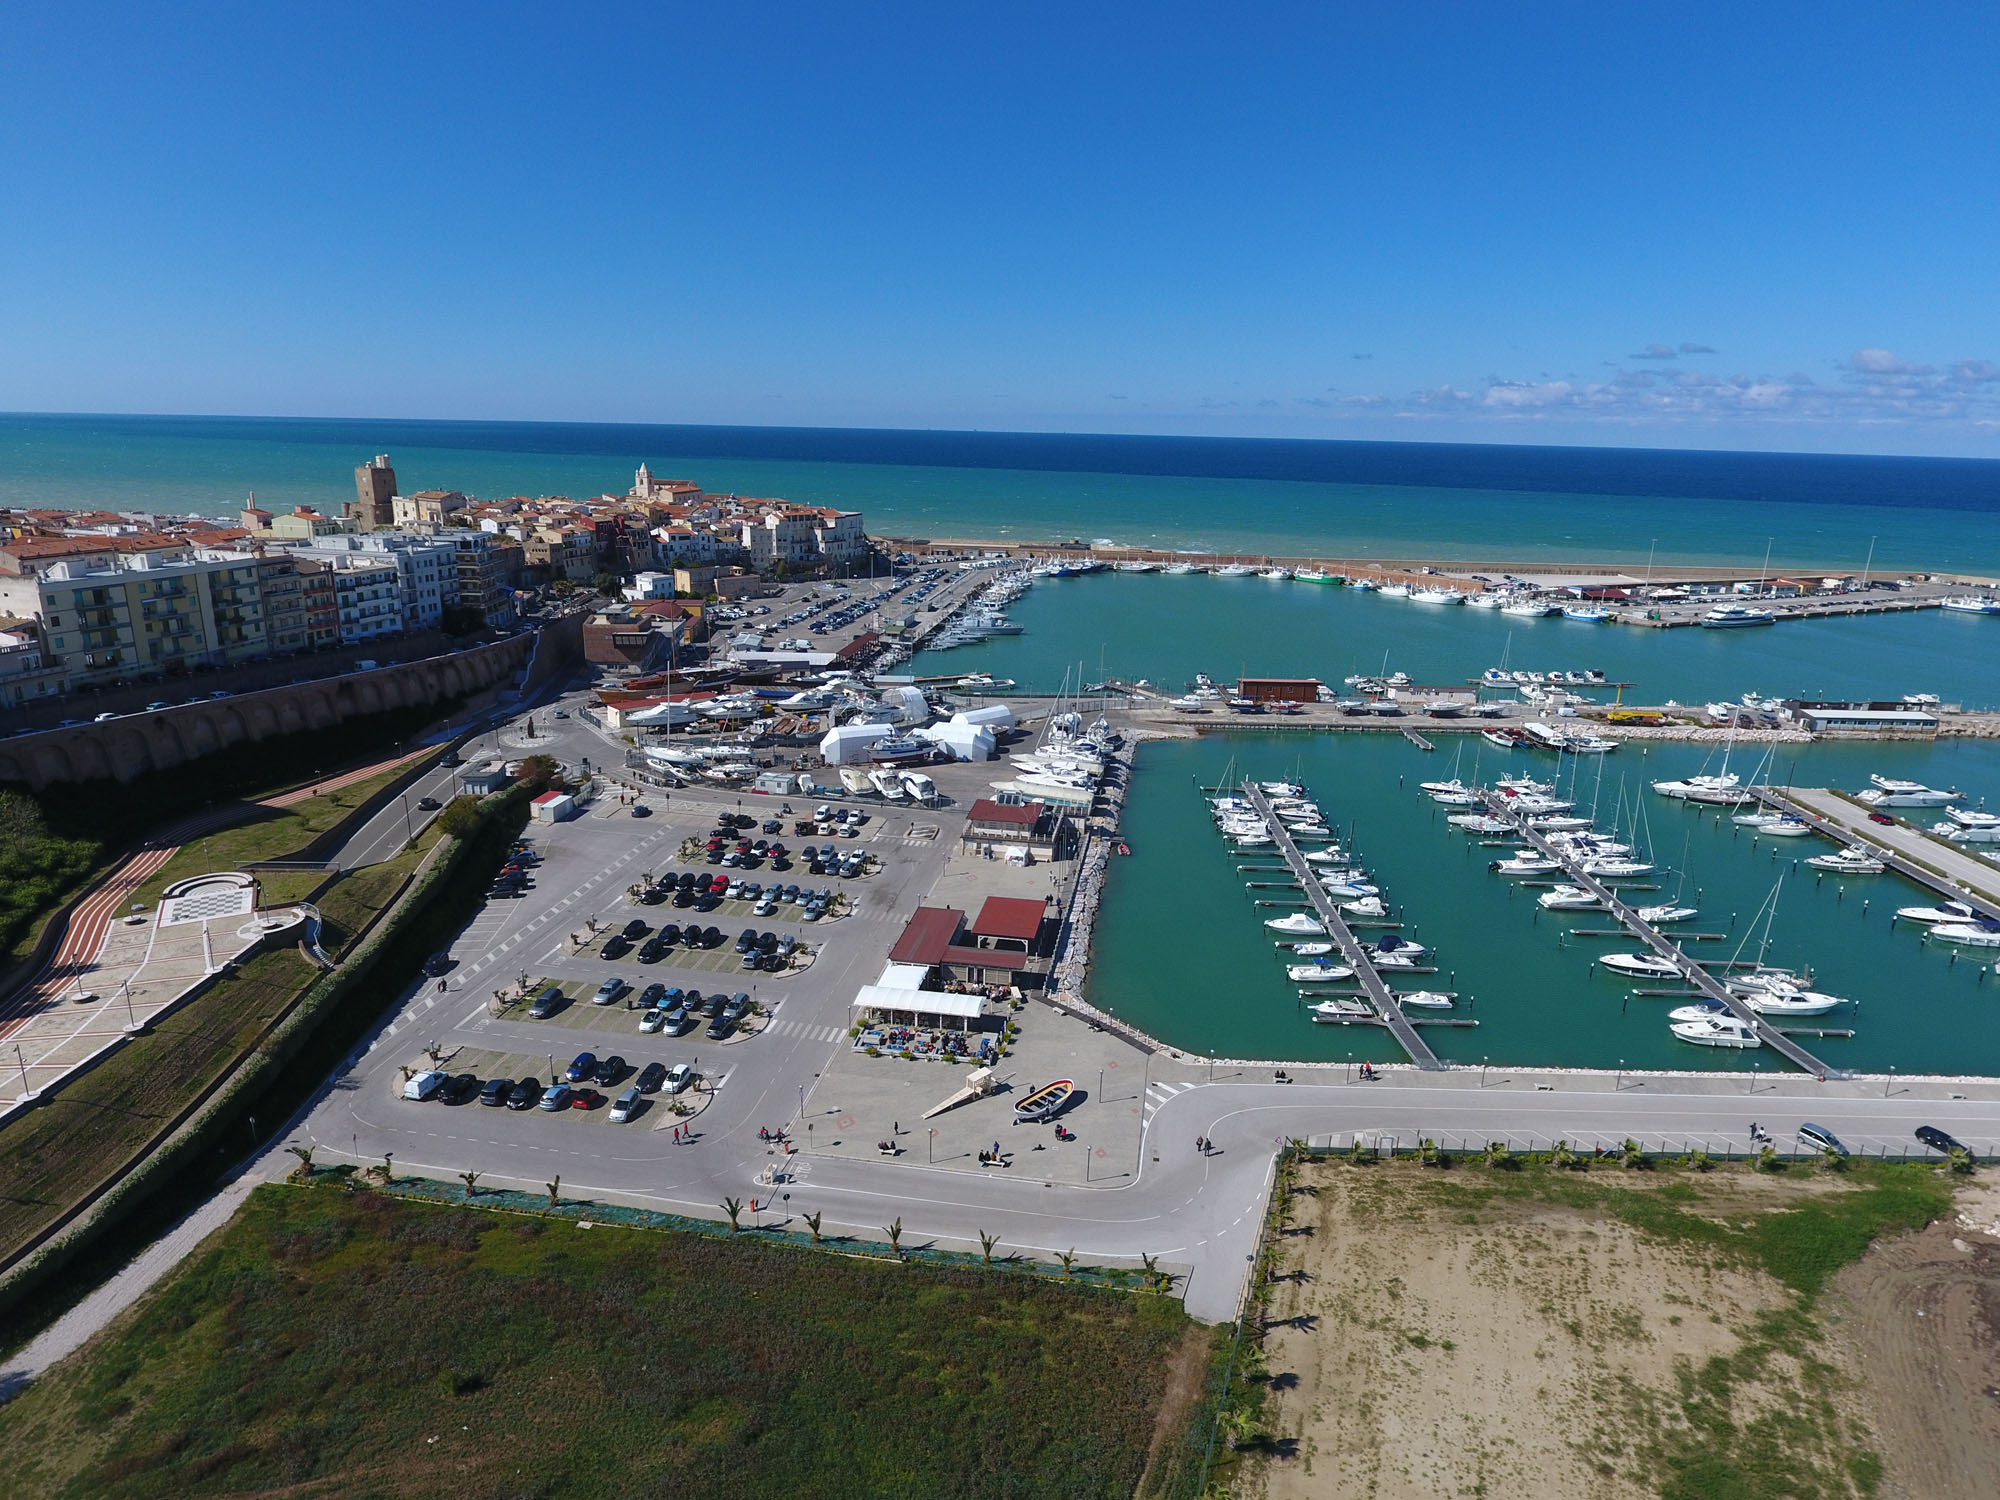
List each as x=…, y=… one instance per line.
x=1159, y=1093
x=800, y=1028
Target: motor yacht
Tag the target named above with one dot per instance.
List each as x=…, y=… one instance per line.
x=1328, y=856
x=1641, y=965
x=1944, y=911
x=1853, y=860
x=1299, y=923
x=1424, y=999
x=1717, y=1031
x=1319, y=973
x=1736, y=616
x=1984, y=933
x=1527, y=862
x=1335, y=1012
x=1700, y=1010
x=1960, y=832
x=1787, y=1001
x=1659, y=916
x=1568, y=898
x=1365, y=906
x=1680, y=789
x=887, y=784
x=1615, y=867
x=1965, y=817
x=1889, y=791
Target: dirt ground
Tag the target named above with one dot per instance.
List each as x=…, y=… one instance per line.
x=1916, y=1326
x=1430, y=1337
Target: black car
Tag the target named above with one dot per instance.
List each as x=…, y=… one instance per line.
x=774, y=825
x=650, y=1078
x=650, y=996
x=617, y=945
x=768, y=943
x=719, y=1029
x=1937, y=1140
x=436, y=964
x=640, y=810
x=525, y=1095
x=684, y=899
x=746, y=940
x=495, y=1093
x=461, y=1089
x=652, y=895
x=636, y=928
x=669, y=934
x=686, y=880
x=711, y=937
x=707, y=903
x=714, y=1005
x=692, y=1002
x=428, y=804
x=608, y=1071
x=654, y=950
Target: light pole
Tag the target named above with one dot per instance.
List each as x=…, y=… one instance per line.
x=23, y=1062
x=409, y=828
x=1620, y=1085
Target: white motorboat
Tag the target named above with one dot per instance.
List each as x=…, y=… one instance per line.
x=1424, y=999
x=1971, y=604
x=1641, y=965
x=1365, y=906
x=1298, y=922
x=1717, y=1031
x=1479, y=823
x=1336, y=1012
x=1277, y=575
x=1981, y=934
x=1586, y=614
x=1700, y=1010
x=1615, y=867
x=1234, y=570
x=1528, y=609
x=1436, y=596
x=1327, y=856
x=1660, y=915
x=1965, y=817
x=1944, y=911
x=1968, y=833
x=1282, y=789
x=854, y=781
x=1309, y=830
x=1890, y=791
x=1683, y=788
x=1392, y=946
x=1558, y=823
x=1735, y=616
x=1568, y=898
x=1526, y=862
x=1347, y=889
x=1317, y=973
x=1309, y=950
x=1787, y=1001
x=1853, y=860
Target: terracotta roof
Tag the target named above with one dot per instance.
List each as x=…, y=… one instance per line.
x=1010, y=917
x=58, y=546
x=986, y=810
x=928, y=937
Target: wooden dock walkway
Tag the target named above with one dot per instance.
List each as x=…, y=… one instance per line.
x=1692, y=971
x=1953, y=874
x=1379, y=995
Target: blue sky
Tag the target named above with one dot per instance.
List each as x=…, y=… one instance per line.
x=1769, y=226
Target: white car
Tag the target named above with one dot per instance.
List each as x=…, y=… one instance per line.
x=425, y=1084
x=652, y=1020
x=679, y=1078
x=624, y=1106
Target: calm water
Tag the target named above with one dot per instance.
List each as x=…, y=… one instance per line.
x=1181, y=951
x=1147, y=625
x=1370, y=499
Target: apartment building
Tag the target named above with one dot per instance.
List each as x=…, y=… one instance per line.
x=283, y=587
x=322, y=603
x=427, y=568
x=488, y=564
x=565, y=553
x=368, y=595
x=143, y=613
x=781, y=537
x=26, y=672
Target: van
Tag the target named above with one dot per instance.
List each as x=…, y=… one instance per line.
x=365, y=665
x=1818, y=1138
x=425, y=1084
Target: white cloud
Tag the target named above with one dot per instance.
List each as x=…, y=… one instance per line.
x=1882, y=362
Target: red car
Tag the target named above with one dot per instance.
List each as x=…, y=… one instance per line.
x=585, y=1099
x=1882, y=818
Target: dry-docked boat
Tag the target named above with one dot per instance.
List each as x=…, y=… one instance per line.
x=1044, y=1101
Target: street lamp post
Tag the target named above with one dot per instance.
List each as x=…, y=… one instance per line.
x=23, y=1062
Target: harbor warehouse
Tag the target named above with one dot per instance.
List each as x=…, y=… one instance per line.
x=1279, y=689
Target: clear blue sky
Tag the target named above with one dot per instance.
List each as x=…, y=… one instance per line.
x=1714, y=225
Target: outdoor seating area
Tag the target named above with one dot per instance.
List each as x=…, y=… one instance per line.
x=928, y=1043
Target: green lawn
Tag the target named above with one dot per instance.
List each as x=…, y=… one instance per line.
x=334, y=1342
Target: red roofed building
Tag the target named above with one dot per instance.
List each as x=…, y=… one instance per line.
x=932, y=940
x=1034, y=826
x=1010, y=923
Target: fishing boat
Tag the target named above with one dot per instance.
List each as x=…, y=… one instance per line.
x=1044, y=1102
x=1394, y=590
x=1717, y=1031
x=1322, y=973
x=1641, y=965
x=1234, y=570
x=1984, y=933
x=1179, y=570
x=1436, y=596
x=1482, y=601
x=1528, y=609
x=1502, y=739
x=1660, y=915
x=1298, y=922
x=1971, y=604
x=1586, y=614
x=1337, y=1012
x=1276, y=575
x=1853, y=860
x=1313, y=575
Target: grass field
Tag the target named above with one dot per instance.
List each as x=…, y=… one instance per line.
x=348, y=1343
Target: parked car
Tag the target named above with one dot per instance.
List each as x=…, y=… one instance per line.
x=608, y=1071
x=625, y=1106
x=524, y=1094
x=679, y=1078
x=653, y=950
x=652, y=1020
x=1819, y=1138
x=585, y=1099
x=678, y=1022
x=556, y=1096
x=650, y=1078
x=609, y=991
x=617, y=946
x=425, y=1085
x=1937, y=1140
x=636, y=928
x=547, y=1003
x=462, y=1089
x=581, y=1067
x=737, y=1008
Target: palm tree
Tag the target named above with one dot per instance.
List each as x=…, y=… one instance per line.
x=304, y=1170
x=1562, y=1156
x=732, y=1207
x=895, y=1233
x=986, y=1244
x=555, y=1189
x=1497, y=1155
x=1767, y=1159
x=383, y=1171
x=1700, y=1161
x=1960, y=1160
x=1068, y=1259
x=1357, y=1152
x=812, y=1223
x=471, y=1181
x=1153, y=1273
x=1427, y=1152
x=1633, y=1156
x=1835, y=1161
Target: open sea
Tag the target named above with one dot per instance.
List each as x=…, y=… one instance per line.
x=1179, y=948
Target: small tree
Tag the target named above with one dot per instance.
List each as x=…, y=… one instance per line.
x=1497, y=1155
x=986, y=1244
x=1152, y=1265
x=1068, y=1259
x=895, y=1233
x=1832, y=1160
x=471, y=1181
x=1767, y=1160
x=1359, y=1151
x=812, y=1223
x=1960, y=1160
x=1562, y=1156
x=555, y=1190
x=1427, y=1152
x=732, y=1207
x=383, y=1170
x=1700, y=1161
x=304, y=1170
x=1630, y=1154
